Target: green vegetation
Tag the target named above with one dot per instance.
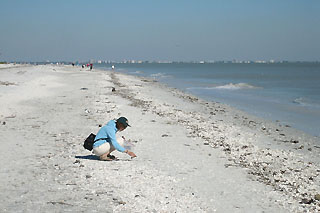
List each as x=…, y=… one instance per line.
x=3, y=62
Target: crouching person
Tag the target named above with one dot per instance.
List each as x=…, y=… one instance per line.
x=106, y=141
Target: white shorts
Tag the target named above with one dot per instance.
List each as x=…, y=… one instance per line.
x=106, y=147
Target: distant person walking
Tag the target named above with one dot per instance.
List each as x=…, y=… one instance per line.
x=106, y=141
x=112, y=67
x=91, y=65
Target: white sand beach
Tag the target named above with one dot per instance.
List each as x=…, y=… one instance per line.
x=193, y=155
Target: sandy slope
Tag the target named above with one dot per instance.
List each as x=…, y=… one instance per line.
x=192, y=156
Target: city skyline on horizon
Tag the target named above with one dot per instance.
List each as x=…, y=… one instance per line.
x=133, y=61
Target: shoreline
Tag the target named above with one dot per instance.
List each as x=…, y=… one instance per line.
x=300, y=149
x=193, y=155
x=291, y=113
x=185, y=94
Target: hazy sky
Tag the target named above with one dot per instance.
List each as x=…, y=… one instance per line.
x=159, y=30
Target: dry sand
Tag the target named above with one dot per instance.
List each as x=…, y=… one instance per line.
x=193, y=155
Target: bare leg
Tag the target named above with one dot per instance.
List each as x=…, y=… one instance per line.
x=106, y=156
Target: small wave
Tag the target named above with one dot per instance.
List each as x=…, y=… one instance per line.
x=121, y=69
x=137, y=72
x=232, y=86
x=159, y=75
x=306, y=102
x=298, y=101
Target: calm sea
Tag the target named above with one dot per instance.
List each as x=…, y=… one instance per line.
x=287, y=92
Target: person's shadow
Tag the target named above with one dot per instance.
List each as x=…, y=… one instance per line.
x=88, y=157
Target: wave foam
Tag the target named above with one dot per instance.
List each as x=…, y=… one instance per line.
x=159, y=75
x=137, y=72
x=232, y=86
x=302, y=101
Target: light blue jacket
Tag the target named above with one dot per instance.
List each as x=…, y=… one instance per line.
x=108, y=131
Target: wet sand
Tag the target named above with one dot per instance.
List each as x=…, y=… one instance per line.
x=193, y=155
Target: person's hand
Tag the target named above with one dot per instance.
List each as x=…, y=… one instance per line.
x=131, y=154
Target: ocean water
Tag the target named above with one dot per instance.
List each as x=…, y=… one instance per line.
x=284, y=92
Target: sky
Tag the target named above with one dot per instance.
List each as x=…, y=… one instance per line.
x=176, y=30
